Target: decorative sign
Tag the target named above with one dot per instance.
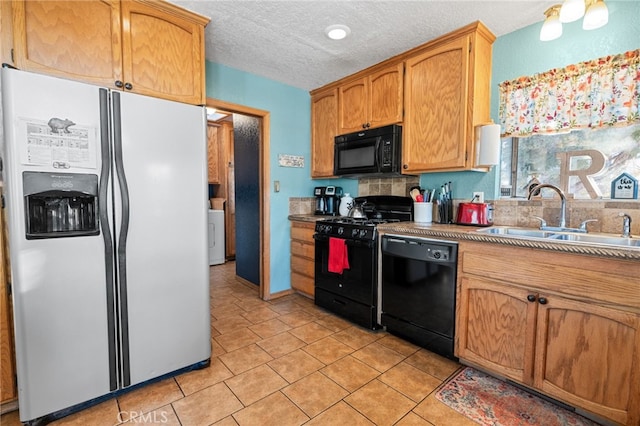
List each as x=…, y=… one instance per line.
x=287, y=160
x=596, y=165
x=624, y=186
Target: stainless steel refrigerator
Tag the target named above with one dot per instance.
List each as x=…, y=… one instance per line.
x=106, y=203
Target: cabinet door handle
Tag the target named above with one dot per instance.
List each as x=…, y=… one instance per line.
x=543, y=300
x=119, y=84
x=128, y=86
x=531, y=298
x=405, y=166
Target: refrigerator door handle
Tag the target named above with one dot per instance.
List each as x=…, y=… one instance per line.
x=121, y=257
x=103, y=202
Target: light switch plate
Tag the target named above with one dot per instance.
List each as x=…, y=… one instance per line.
x=276, y=186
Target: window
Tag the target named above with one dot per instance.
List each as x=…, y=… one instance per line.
x=541, y=157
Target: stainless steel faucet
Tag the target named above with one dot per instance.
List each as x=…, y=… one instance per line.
x=563, y=201
x=626, y=225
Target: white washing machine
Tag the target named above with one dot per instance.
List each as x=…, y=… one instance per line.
x=216, y=237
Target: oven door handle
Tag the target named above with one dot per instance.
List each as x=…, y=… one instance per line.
x=348, y=242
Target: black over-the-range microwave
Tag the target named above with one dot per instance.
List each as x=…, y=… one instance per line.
x=369, y=152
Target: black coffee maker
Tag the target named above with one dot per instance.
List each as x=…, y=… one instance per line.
x=327, y=200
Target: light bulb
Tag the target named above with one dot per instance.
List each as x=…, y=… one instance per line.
x=552, y=27
x=337, y=32
x=572, y=10
x=597, y=16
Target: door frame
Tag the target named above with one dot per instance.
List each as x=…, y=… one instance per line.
x=264, y=172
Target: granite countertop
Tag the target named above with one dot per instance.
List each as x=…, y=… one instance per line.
x=468, y=233
x=307, y=217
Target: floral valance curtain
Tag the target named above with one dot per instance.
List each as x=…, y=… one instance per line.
x=592, y=94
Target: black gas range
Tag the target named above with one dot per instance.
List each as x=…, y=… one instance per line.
x=346, y=253
x=363, y=230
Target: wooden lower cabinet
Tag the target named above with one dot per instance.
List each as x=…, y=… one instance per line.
x=303, y=257
x=588, y=355
x=564, y=340
x=498, y=328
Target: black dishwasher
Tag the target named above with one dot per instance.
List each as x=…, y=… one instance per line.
x=418, y=291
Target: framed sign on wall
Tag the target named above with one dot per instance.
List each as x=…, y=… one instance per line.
x=625, y=187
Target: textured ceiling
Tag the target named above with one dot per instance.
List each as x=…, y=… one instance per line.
x=285, y=40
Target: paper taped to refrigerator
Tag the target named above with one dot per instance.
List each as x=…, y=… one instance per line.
x=59, y=143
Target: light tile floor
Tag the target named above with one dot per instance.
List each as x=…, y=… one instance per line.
x=287, y=362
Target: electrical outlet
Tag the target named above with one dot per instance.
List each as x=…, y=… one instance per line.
x=478, y=197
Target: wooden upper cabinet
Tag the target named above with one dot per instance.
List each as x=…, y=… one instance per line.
x=447, y=93
x=324, y=128
x=386, y=96
x=213, y=154
x=353, y=105
x=435, y=98
x=372, y=101
x=79, y=40
x=162, y=52
x=148, y=47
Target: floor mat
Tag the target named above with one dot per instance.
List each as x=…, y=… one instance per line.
x=492, y=402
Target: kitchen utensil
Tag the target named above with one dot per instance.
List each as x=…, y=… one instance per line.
x=357, y=212
x=346, y=202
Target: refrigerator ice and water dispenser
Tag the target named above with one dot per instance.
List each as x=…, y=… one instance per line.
x=60, y=204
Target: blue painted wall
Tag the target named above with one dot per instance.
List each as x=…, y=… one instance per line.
x=515, y=54
x=290, y=116
x=522, y=53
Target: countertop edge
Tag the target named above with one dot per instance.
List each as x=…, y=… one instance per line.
x=306, y=217
x=457, y=232
x=468, y=233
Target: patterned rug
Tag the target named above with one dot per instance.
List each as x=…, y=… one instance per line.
x=492, y=402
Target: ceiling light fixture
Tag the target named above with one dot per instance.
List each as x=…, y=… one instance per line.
x=337, y=32
x=596, y=16
x=552, y=27
x=571, y=10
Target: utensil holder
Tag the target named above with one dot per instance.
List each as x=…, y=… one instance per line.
x=423, y=212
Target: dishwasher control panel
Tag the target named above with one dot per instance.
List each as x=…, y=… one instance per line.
x=437, y=254
x=420, y=248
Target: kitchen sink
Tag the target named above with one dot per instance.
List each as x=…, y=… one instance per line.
x=511, y=232
x=607, y=239
x=598, y=239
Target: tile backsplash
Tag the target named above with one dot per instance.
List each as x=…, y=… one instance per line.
x=379, y=186
x=521, y=212
x=510, y=211
x=399, y=186
x=302, y=205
